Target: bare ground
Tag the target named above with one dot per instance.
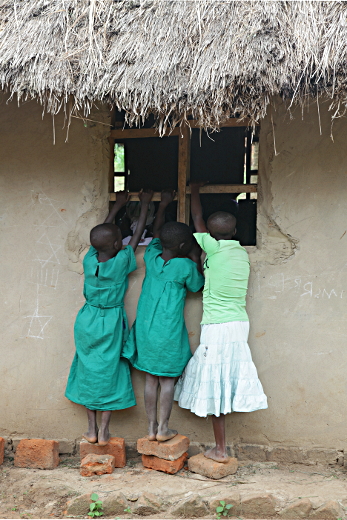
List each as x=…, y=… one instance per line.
x=28, y=493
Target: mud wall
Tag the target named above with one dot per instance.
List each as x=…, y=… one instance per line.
x=52, y=194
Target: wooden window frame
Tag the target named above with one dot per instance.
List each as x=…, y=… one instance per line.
x=184, y=141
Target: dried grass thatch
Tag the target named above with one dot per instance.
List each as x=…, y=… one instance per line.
x=209, y=58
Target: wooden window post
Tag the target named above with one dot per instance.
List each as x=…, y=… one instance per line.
x=111, y=166
x=183, y=206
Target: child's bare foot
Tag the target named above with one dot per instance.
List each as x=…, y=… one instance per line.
x=152, y=431
x=103, y=437
x=91, y=436
x=166, y=435
x=217, y=455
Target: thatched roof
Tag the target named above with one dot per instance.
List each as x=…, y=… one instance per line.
x=213, y=59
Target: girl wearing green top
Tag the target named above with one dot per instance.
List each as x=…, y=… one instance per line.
x=99, y=378
x=158, y=343
x=221, y=377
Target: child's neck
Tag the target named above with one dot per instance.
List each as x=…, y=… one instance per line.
x=103, y=256
x=168, y=254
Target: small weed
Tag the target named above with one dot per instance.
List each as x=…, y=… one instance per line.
x=223, y=509
x=95, y=508
x=14, y=508
x=127, y=510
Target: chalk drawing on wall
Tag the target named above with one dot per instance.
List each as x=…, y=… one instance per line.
x=45, y=266
x=55, y=213
x=38, y=322
x=47, y=277
x=50, y=253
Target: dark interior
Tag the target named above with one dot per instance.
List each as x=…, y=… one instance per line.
x=218, y=158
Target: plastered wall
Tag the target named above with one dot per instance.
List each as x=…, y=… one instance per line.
x=52, y=194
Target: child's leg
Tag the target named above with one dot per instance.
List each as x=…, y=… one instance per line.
x=219, y=453
x=151, y=397
x=104, y=433
x=167, y=385
x=92, y=434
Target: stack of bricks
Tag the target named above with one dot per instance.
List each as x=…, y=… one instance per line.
x=168, y=456
x=115, y=448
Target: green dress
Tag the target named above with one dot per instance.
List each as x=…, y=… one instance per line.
x=99, y=378
x=158, y=342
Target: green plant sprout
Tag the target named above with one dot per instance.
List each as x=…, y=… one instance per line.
x=95, y=508
x=127, y=510
x=223, y=509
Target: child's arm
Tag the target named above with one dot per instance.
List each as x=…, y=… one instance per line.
x=166, y=197
x=196, y=208
x=195, y=255
x=145, y=198
x=122, y=198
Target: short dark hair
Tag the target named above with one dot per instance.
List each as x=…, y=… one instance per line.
x=104, y=235
x=172, y=234
x=221, y=223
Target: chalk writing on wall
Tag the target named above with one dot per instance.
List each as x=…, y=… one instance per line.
x=327, y=286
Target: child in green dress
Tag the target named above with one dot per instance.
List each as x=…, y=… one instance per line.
x=158, y=342
x=99, y=378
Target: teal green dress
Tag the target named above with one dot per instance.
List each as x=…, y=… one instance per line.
x=158, y=342
x=99, y=378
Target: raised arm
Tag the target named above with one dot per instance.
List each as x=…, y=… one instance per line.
x=195, y=207
x=167, y=196
x=122, y=198
x=195, y=255
x=145, y=198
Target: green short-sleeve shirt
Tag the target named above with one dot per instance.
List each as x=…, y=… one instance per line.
x=226, y=270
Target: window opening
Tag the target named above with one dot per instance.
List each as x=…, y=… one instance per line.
x=119, y=166
x=228, y=161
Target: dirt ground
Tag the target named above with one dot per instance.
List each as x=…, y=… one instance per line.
x=28, y=493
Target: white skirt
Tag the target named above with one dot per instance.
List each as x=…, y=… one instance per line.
x=221, y=377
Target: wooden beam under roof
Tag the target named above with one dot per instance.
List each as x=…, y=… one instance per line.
x=128, y=133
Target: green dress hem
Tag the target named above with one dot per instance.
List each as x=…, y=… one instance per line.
x=156, y=373
x=102, y=407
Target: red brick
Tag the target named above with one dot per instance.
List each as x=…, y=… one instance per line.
x=2, y=449
x=96, y=465
x=168, y=466
x=210, y=468
x=172, y=449
x=37, y=453
x=115, y=447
